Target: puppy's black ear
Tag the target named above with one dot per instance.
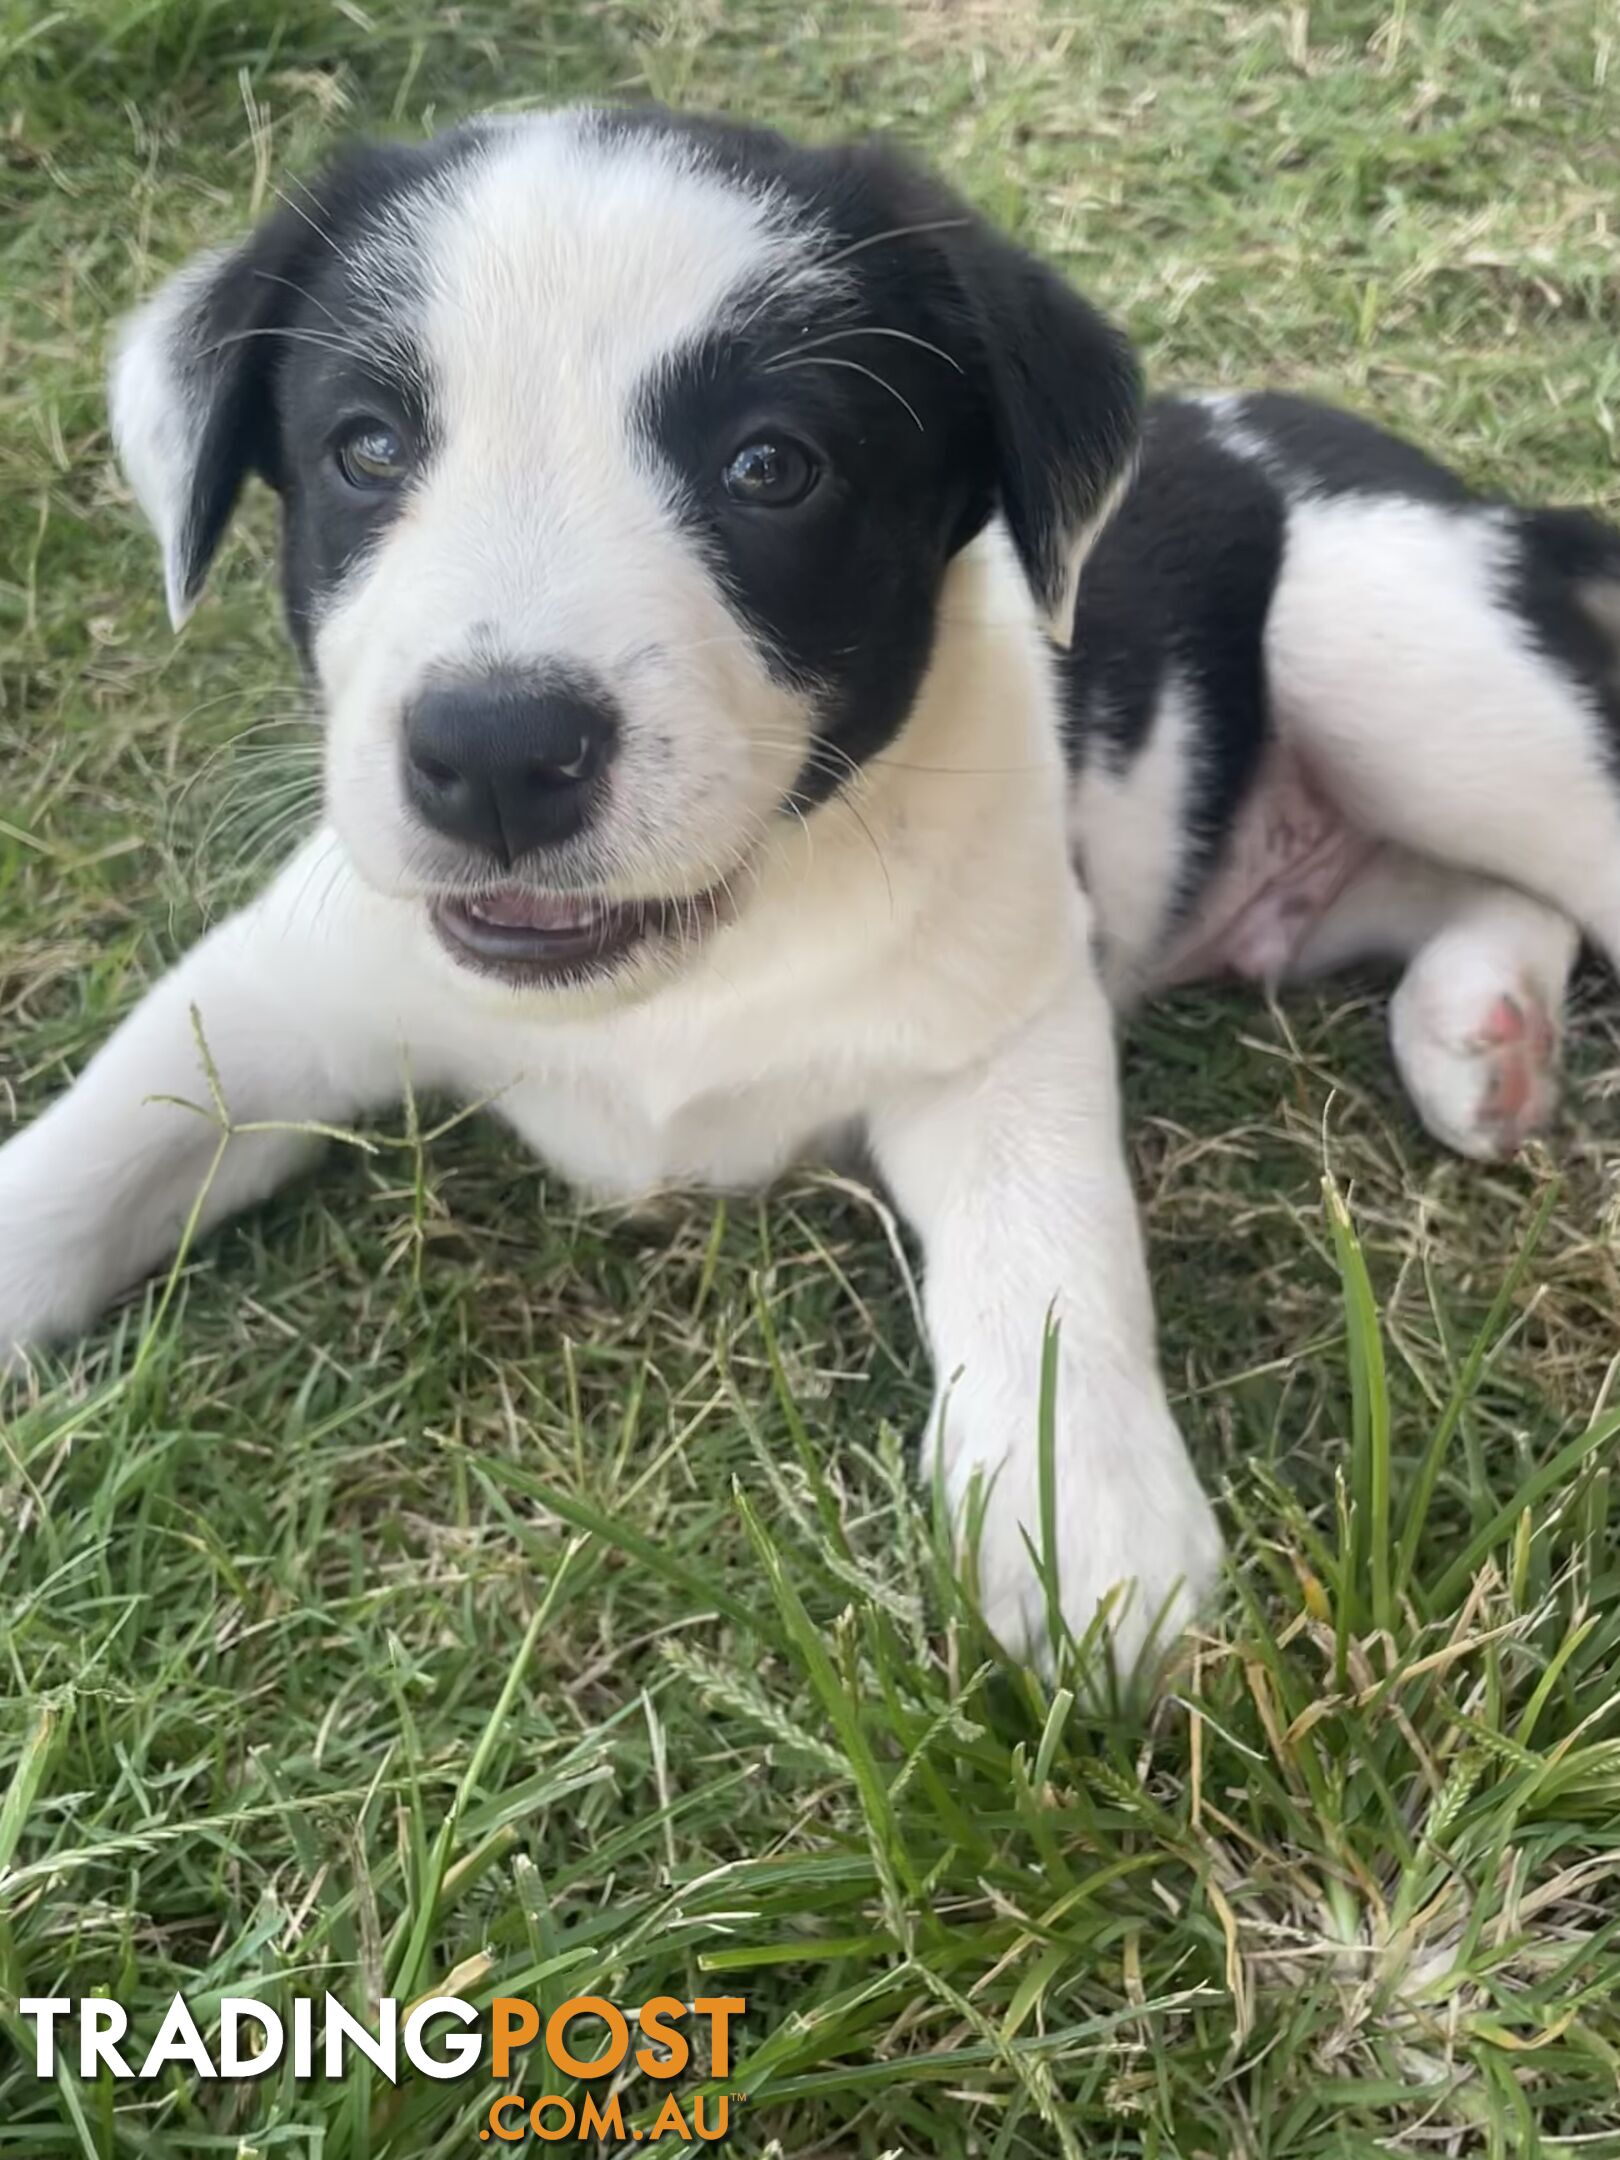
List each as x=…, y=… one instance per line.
x=1065, y=398
x=190, y=393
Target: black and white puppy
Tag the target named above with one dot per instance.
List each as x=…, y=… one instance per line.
x=677, y=524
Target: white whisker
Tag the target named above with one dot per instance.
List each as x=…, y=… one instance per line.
x=835, y=337
x=893, y=232
x=855, y=367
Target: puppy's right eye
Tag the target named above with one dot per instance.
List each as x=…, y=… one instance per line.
x=370, y=455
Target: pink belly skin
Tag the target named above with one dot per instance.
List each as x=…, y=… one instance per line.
x=1287, y=859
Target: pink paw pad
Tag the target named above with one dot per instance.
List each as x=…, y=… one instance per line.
x=1505, y=1022
x=1518, y=1040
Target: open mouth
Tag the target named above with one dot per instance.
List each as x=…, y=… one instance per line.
x=537, y=937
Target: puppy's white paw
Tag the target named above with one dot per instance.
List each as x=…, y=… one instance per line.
x=1478, y=1053
x=49, y=1274
x=1134, y=1532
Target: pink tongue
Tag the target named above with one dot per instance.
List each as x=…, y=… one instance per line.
x=536, y=911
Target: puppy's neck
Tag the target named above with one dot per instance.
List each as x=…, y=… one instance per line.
x=972, y=785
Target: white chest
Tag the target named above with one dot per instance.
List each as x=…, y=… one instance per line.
x=612, y=1141
x=778, y=1046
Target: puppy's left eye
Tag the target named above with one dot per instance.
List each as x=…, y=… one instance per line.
x=773, y=474
x=371, y=455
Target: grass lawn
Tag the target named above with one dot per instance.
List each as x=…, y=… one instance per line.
x=447, y=1587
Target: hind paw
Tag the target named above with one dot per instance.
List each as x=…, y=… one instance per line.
x=1481, y=1065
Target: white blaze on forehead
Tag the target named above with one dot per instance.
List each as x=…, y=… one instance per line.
x=569, y=256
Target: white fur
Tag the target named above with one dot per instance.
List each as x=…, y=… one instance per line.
x=153, y=421
x=1426, y=710
x=1128, y=829
x=555, y=277
x=1060, y=616
x=1469, y=944
x=1013, y=1169
x=1233, y=433
x=912, y=964
x=915, y=965
x=1502, y=949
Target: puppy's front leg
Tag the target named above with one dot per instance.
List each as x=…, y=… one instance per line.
x=1014, y=1174
x=96, y=1192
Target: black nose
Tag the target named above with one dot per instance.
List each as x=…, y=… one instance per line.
x=508, y=764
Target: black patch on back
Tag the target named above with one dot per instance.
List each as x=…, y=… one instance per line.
x=1559, y=560
x=1180, y=583
x=1565, y=588
x=1182, y=580
x=1320, y=450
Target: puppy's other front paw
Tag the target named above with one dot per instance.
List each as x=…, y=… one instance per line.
x=1134, y=1531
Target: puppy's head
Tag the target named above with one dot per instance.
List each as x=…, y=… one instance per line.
x=620, y=458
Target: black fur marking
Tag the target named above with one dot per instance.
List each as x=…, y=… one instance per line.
x=1565, y=589
x=1180, y=582
x=277, y=344
x=840, y=590
x=1182, y=579
x=1321, y=450
x=962, y=374
x=958, y=372
x=1562, y=561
